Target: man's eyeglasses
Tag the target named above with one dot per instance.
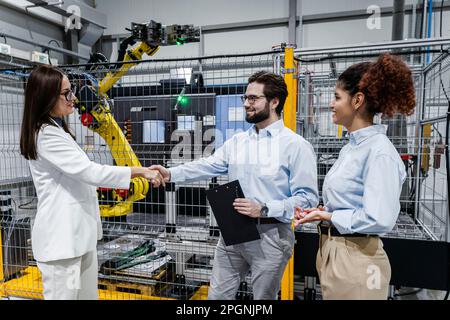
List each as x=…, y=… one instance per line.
x=251, y=98
x=69, y=95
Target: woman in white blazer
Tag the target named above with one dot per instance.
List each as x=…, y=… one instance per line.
x=67, y=224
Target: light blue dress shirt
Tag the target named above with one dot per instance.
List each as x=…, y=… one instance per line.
x=274, y=166
x=362, y=189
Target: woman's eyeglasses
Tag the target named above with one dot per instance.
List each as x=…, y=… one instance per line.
x=69, y=95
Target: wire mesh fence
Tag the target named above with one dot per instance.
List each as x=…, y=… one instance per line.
x=159, y=245
x=420, y=142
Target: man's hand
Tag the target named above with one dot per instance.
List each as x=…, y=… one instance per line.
x=247, y=207
x=310, y=215
x=299, y=213
x=151, y=175
x=162, y=171
x=154, y=177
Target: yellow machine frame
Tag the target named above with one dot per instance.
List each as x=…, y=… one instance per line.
x=110, y=131
x=290, y=121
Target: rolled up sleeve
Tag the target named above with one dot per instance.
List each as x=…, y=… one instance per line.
x=55, y=147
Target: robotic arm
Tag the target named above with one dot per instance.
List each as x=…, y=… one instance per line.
x=150, y=37
x=94, y=105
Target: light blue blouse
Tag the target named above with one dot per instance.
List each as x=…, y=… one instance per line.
x=362, y=189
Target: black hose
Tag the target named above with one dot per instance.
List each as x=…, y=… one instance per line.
x=124, y=46
x=23, y=205
x=422, y=20
x=53, y=40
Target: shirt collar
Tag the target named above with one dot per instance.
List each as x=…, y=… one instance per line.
x=58, y=121
x=271, y=130
x=358, y=136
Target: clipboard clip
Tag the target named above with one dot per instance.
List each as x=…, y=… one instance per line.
x=237, y=191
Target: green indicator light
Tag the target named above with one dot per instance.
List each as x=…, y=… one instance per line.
x=181, y=41
x=182, y=100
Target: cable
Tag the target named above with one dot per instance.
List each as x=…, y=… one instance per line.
x=22, y=206
x=422, y=25
x=91, y=78
x=48, y=49
x=15, y=73
x=53, y=40
x=436, y=129
x=446, y=296
x=8, y=236
x=141, y=260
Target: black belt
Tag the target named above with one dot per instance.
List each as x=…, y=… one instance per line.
x=332, y=231
x=267, y=221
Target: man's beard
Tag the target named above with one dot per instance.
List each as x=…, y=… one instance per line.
x=259, y=116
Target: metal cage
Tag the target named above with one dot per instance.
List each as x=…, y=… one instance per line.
x=171, y=111
x=419, y=240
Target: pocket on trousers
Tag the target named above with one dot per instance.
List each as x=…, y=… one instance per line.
x=318, y=262
x=286, y=239
x=371, y=261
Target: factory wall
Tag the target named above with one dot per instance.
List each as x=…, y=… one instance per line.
x=18, y=24
x=320, y=33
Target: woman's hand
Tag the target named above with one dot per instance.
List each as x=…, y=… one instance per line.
x=151, y=175
x=310, y=215
x=162, y=171
x=154, y=177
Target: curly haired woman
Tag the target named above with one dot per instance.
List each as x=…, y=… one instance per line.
x=361, y=192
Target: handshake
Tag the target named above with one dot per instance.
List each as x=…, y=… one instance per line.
x=157, y=175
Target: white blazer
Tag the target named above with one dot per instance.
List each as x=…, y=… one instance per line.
x=67, y=223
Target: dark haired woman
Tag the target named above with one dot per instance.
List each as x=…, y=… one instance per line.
x=361, y=191
x=67, y=224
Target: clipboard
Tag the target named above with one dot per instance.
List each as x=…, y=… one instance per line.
x=235, y=227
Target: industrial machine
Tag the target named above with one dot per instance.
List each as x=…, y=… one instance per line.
x=94, y=105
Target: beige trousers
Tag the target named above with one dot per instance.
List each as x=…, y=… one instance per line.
x=353, y=268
